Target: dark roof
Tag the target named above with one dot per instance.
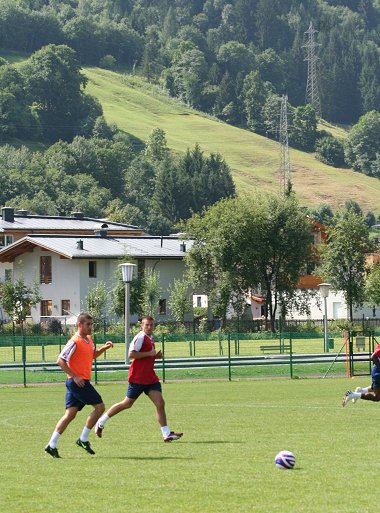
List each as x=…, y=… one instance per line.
x=96, y=247
x=13, y=222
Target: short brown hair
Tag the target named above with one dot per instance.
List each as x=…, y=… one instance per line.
x=147, y=318
x=84, y=316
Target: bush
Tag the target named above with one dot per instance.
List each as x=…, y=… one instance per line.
x=54, y=326
x=107, y=62
x=330, y=150
x=200, y=311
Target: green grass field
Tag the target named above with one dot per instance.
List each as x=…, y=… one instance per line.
x=224, y=462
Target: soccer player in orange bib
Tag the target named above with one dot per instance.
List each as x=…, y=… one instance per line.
x=142, y=378
x=76, y=360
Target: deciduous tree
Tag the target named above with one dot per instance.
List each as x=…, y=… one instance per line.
x=344, y=258
x=246, y=243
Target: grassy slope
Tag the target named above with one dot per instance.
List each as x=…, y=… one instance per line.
x=138, y=108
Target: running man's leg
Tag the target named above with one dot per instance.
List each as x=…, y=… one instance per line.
x=372, y=396
x=65, y=420
x=116, y=408
x=95, y=415
x=155, y=395
x=62, y=424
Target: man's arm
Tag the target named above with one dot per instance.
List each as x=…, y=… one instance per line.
x=375, y=358
x=63, y=364
x=137, y=355
x=101, y=350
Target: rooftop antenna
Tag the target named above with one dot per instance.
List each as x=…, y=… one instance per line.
x=312, y=95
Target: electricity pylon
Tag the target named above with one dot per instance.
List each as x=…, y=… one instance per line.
x=312, y=95
x=285, y=168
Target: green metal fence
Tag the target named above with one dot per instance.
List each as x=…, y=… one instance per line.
x=32, y=359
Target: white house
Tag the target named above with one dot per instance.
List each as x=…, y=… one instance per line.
x=14, y=225
x=68, y=266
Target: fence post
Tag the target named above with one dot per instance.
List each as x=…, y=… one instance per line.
x=163, y=356
x=351, y=353
x=96, y=371
x=291, y=355
x=43, y=350
x=24, y=358
x=229, y=356
x=238, y=331
x=194, y=336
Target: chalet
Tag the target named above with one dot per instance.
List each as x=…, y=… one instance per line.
x=14, y=225
x=68, y=266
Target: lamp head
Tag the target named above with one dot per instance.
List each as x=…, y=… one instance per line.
x=324, y=289
x=127, y=270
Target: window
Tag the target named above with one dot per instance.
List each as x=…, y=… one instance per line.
x=8, y=275
x=199, y=301
x=5, y=240
x=162, y=307
x=92, y=269
x=45, y=269
x=310, y=267
x=46, y=307
x=65, y=307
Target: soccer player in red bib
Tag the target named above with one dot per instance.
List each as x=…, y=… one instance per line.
x=76, y=360
x=142, y=378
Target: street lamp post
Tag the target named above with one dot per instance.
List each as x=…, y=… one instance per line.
x=127, y=270
x=324, y=289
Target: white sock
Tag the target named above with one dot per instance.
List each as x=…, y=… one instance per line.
x=84, y=436
x=356, y=395
x=365, y=390
x=54, y=439
x=103, y=419
x=165, y=431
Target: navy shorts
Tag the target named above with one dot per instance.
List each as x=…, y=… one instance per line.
x=375, y=377
x=135, y=390
x=79, y=397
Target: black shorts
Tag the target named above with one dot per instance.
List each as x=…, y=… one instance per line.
x=135, y=390
x=80, y=396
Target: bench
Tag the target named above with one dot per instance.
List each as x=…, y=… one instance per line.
x=275, y=348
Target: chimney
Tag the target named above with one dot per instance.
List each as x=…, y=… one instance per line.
x=22, y=213
x=77, y=215
x=8, y=214
x=182, y=247
x=79, y=244
x=101, y=233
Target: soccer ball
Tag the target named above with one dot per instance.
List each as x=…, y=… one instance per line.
x=285, y=460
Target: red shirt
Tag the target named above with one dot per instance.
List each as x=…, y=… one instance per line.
x=376, y=353
x=141, y=370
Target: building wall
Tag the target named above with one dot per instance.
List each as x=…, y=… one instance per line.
x=64, y=285
x=169, y=270
x=336, y=309
x=71, y=280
